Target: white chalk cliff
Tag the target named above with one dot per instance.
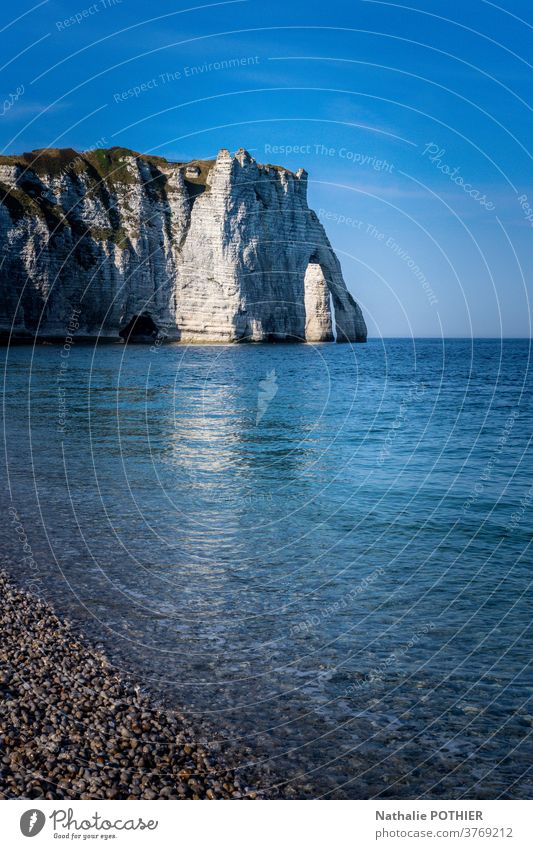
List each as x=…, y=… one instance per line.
x=207, y=251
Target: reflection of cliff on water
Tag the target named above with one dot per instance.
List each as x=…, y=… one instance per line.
x=218, y=448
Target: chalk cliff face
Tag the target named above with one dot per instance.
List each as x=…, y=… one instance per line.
x=138, y=248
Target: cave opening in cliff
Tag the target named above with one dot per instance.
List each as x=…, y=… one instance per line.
x=140, y=328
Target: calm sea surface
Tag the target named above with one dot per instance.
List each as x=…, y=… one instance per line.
x=323, y=550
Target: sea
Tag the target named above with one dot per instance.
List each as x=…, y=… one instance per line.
x=322, y=551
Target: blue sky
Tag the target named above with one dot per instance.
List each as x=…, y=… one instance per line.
x=414, y=124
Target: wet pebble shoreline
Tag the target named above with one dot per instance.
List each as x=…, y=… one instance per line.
x=73, y=727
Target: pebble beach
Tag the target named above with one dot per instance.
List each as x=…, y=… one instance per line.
x=73, y=727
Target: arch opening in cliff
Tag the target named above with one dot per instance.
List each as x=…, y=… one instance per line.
x=140, y=328
x=319, y=316
x=331, y=312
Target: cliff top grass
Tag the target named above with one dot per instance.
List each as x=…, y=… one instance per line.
x=103, y=167
x=109, y=163
x=205, y=166
x=49, y=159
x=267, y=165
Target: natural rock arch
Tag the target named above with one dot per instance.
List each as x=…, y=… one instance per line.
x=318, y=317
x=323, y=277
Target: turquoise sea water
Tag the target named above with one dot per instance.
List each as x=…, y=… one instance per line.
x=325, y=550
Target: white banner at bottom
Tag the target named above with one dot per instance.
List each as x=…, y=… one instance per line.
x=262, y=825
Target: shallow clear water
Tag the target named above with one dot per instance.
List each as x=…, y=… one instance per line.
x=322, y=549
